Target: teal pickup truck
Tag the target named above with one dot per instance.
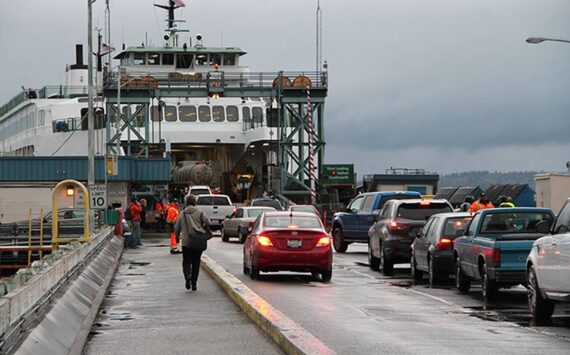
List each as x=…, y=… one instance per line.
x=495, y=247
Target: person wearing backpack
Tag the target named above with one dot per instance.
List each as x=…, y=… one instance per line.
x=193, y=230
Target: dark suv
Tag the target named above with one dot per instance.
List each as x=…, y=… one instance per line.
x=395, y=228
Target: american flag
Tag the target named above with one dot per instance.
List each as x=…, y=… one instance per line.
x=179, y=3
x=106, y=49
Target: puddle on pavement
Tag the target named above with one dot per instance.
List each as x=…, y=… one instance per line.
x=120, y=316
x=519, y=316
x=135, y=274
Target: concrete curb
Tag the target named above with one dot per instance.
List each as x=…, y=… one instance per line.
x=287, y=334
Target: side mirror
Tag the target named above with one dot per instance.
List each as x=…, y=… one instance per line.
x=543, y=227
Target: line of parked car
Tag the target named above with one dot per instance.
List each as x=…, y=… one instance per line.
x=499, y=247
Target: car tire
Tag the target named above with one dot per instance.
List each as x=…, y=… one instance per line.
x=489, y=288
x=326, y=275
x=223, y=235
x=253, y=273
x=462, y=281
x=373, y=261
x=386, y=265
x=241, y=237
x=540, y=308
x=417, y=274
x=434, y=278
x=339, y=244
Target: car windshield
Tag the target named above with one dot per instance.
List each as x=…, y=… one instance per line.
x=455, y=226
x=304, y=209
x=254, y=212
x=197, y=192
x=292, y=222
x=268, y=203
x=213, y=201
x=421, y=211
x=514, y=222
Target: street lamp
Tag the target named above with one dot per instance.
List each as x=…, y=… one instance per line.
x=537, y=40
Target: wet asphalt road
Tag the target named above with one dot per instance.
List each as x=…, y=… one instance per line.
x=148, y=311
x=363, y=312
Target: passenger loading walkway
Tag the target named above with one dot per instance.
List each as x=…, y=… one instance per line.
x=147, y=310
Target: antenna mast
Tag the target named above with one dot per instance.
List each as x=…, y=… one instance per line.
x=108, y=32
x=172, y=30
x=319, y=37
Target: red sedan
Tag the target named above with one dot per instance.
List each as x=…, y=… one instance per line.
x=288, y=241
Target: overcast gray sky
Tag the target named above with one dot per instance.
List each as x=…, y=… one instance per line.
x=443, y=85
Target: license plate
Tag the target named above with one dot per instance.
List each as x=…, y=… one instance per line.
x=293, y=243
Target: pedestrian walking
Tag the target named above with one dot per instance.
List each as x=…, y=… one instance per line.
x=143, y=213
x=159, y=213
x=193, y=231
x=481, y=204
x=171, y=219
x=135, y=209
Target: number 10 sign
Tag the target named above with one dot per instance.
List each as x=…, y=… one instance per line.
x=98, y=197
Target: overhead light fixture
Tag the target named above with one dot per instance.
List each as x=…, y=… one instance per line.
x=69, y=191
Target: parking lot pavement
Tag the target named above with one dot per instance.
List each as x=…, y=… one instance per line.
x=148, y=311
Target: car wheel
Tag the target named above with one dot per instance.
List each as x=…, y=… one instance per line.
x=326, y=275
x=462, y=281
x=489, y=288
x=417, y=274
x=373, y=261
x=315, y=274
x=540, y=308
x=387, y=265
x=434, y=278
x=241, y=237
x=223, y=234
x=339, y=244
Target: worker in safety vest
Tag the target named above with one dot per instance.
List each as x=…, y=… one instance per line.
x=481, y=204
x=506, y=201
x=171, y=218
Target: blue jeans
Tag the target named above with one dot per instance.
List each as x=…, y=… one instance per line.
x=136, y=233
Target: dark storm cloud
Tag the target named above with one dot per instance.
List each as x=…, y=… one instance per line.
x=424, y=82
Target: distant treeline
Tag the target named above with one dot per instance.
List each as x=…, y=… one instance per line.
x=484, y=179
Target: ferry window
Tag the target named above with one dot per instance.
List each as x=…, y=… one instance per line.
x=139, y=59
x=229, y=59
x=202, y=59
x=139, y=116
x=167, y=59
x=232, y=113
x=272, y=117
x=215, y=58
x=153, y=59
x=42, y=117
x=204, y=113
x=99, y=118
x=184, y=60
x=84, y=124
x=218, y=113
x=257, y=113
x=246, y=113
x=187, y=113
x=154, y=114
x=170, y=113
x=124, y=61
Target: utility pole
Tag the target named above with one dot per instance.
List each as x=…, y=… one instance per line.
x=90, y=128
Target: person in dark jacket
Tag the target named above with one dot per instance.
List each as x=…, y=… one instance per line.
x=191, y=224
x=465, y=206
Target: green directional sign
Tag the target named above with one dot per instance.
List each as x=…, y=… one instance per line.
x=337, y=174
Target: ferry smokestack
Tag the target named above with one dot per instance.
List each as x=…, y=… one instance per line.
x=79, y=54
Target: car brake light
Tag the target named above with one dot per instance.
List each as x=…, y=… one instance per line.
x=324, y=241
x=444, y=244
x=424, y=203
x=292, y=226
x=497, y=257
x=264, y=241
x=393, y=225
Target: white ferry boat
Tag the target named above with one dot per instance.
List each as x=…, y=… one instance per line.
x=226, y=131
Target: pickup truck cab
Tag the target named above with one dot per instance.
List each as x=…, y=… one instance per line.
x=495, y=247
x=352, y=224
x=216, y=207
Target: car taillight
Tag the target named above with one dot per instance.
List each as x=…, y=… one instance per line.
x=393, y=225
x=444, y=244
x=264, y=241
x=324, y=242
x=497, y=257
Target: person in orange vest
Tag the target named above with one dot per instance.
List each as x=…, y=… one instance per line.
x=135, y=209
x=481, y=204
x=171, y=218
x=160, y=215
